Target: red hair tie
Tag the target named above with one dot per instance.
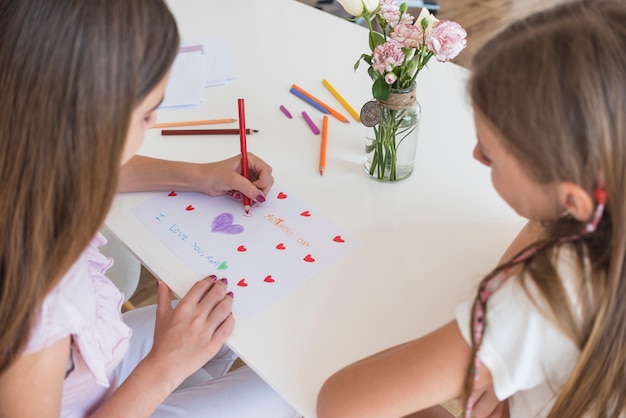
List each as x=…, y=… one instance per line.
x=601, y=196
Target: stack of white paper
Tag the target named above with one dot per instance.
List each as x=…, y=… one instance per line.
x=198, y=65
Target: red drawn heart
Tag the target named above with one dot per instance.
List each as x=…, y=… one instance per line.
x=242, y=283
x=305, y=213
x=269, y=279
x=308, y=258
x=172, y=193
x=280, y=246
x=242, y=248
x=281, y=195
x=338, y=239
x=189, y=208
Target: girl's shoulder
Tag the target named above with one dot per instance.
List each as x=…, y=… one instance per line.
x=83, y=298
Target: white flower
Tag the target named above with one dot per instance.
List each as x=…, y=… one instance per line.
x=430, y=19
x=359, y=7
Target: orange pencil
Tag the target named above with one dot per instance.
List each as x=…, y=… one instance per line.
x=323, y=148
x=324, y=105
x=192, y=123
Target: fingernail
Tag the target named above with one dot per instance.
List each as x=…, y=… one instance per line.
x=213, y=277
x=260, y=198
x=224, y=280
x=237, y=196
x=156, y=283
x=230, y=294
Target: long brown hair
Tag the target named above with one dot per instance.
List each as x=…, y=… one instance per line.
x=71, y=73
x=553, y=86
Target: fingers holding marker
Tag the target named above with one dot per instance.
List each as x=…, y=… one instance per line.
x=238, y=196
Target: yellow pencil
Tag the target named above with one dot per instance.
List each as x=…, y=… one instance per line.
x=343, y=101
x=192, y=123
x=323, y=147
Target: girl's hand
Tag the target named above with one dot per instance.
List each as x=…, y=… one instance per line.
x=214, y=179
x=224, y=177
x=190, y=334
x=488, y=405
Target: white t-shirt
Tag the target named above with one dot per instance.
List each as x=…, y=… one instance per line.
x=529, y=358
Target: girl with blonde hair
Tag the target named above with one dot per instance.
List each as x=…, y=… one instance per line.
x=546, y=334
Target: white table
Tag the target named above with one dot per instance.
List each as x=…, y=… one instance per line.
x=426, y=240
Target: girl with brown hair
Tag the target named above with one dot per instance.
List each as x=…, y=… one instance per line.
x=81, y=81
x=546, y=334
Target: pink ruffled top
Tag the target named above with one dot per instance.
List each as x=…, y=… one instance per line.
x=86, y=306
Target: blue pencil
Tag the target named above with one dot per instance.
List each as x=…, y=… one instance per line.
x=309, y=101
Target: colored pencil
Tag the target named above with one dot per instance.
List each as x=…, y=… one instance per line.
x=321, y=103
x=244, y=149
x=310, y=101
x=323, y=147
x=311, y=124
x=341, y=100
x=193, y=123
x=205, y=131
x=285, y=111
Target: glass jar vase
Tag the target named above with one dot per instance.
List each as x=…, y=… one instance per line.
x=391, y=135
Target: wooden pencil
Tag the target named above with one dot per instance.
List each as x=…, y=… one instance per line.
x=323, y=147
x=341, y=100
x=193, y=123
x=205, y=131
x=244, y=148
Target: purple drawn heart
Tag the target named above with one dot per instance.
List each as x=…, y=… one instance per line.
x=224, y=223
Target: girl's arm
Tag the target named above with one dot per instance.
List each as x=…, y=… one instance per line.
x=396, y=382
x=434, y=412
x=32, y=385
x=185, y=338
x=415, y=375
x=217, y=178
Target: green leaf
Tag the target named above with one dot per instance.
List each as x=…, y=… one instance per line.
x=411, y=66
x=380, y=89
x=364, y=57
x=375, y=39
x=372, y=73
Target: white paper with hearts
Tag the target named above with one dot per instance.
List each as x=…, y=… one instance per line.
x=265, y=256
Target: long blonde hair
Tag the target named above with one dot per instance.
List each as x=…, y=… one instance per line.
x=553, y=86
x=71, y=73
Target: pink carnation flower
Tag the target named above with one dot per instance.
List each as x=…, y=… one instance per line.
x=390, y=11
x=446, y=39
x=406, y=19
x=408, y=36
x=386, y=56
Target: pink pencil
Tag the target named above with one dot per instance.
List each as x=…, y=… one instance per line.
x=310, y=122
